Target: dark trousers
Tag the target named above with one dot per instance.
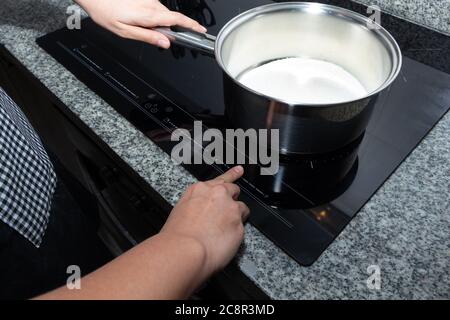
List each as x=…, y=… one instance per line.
x=70, y=239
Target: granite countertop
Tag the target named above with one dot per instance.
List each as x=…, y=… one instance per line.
x=404, y=228
x=433, y=14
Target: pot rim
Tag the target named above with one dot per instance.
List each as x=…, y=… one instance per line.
x=318, y=8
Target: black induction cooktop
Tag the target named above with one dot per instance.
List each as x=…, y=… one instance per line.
x=312, y=198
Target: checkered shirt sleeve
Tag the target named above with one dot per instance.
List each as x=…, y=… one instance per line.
x=27, y=177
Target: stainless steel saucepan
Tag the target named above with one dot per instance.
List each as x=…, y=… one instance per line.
x=300, y=29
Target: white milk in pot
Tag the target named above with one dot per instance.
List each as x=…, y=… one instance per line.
x=304, y=81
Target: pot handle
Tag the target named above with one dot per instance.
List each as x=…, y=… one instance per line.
x=190, y=39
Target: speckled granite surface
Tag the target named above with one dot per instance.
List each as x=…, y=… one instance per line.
x=434, y=14
x=404, y=229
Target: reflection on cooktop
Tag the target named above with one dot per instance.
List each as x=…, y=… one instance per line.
x=198, y=10
x=293, y=188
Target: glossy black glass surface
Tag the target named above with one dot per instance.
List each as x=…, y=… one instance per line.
x=311, y=199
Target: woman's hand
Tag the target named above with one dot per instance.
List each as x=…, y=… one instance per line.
x=210, y=214
x=134, y=19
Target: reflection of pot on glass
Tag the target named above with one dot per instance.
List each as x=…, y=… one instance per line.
x=308, y=181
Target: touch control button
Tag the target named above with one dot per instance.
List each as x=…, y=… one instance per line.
x=152, y=107
x=152, y=96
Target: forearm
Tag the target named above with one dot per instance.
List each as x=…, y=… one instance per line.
x=163, y=267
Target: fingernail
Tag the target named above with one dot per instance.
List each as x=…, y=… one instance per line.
x=239, y=169
x=163, y=43
x=201, y=29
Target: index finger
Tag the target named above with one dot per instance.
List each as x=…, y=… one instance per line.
x=171, y=18
x=231, y=175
